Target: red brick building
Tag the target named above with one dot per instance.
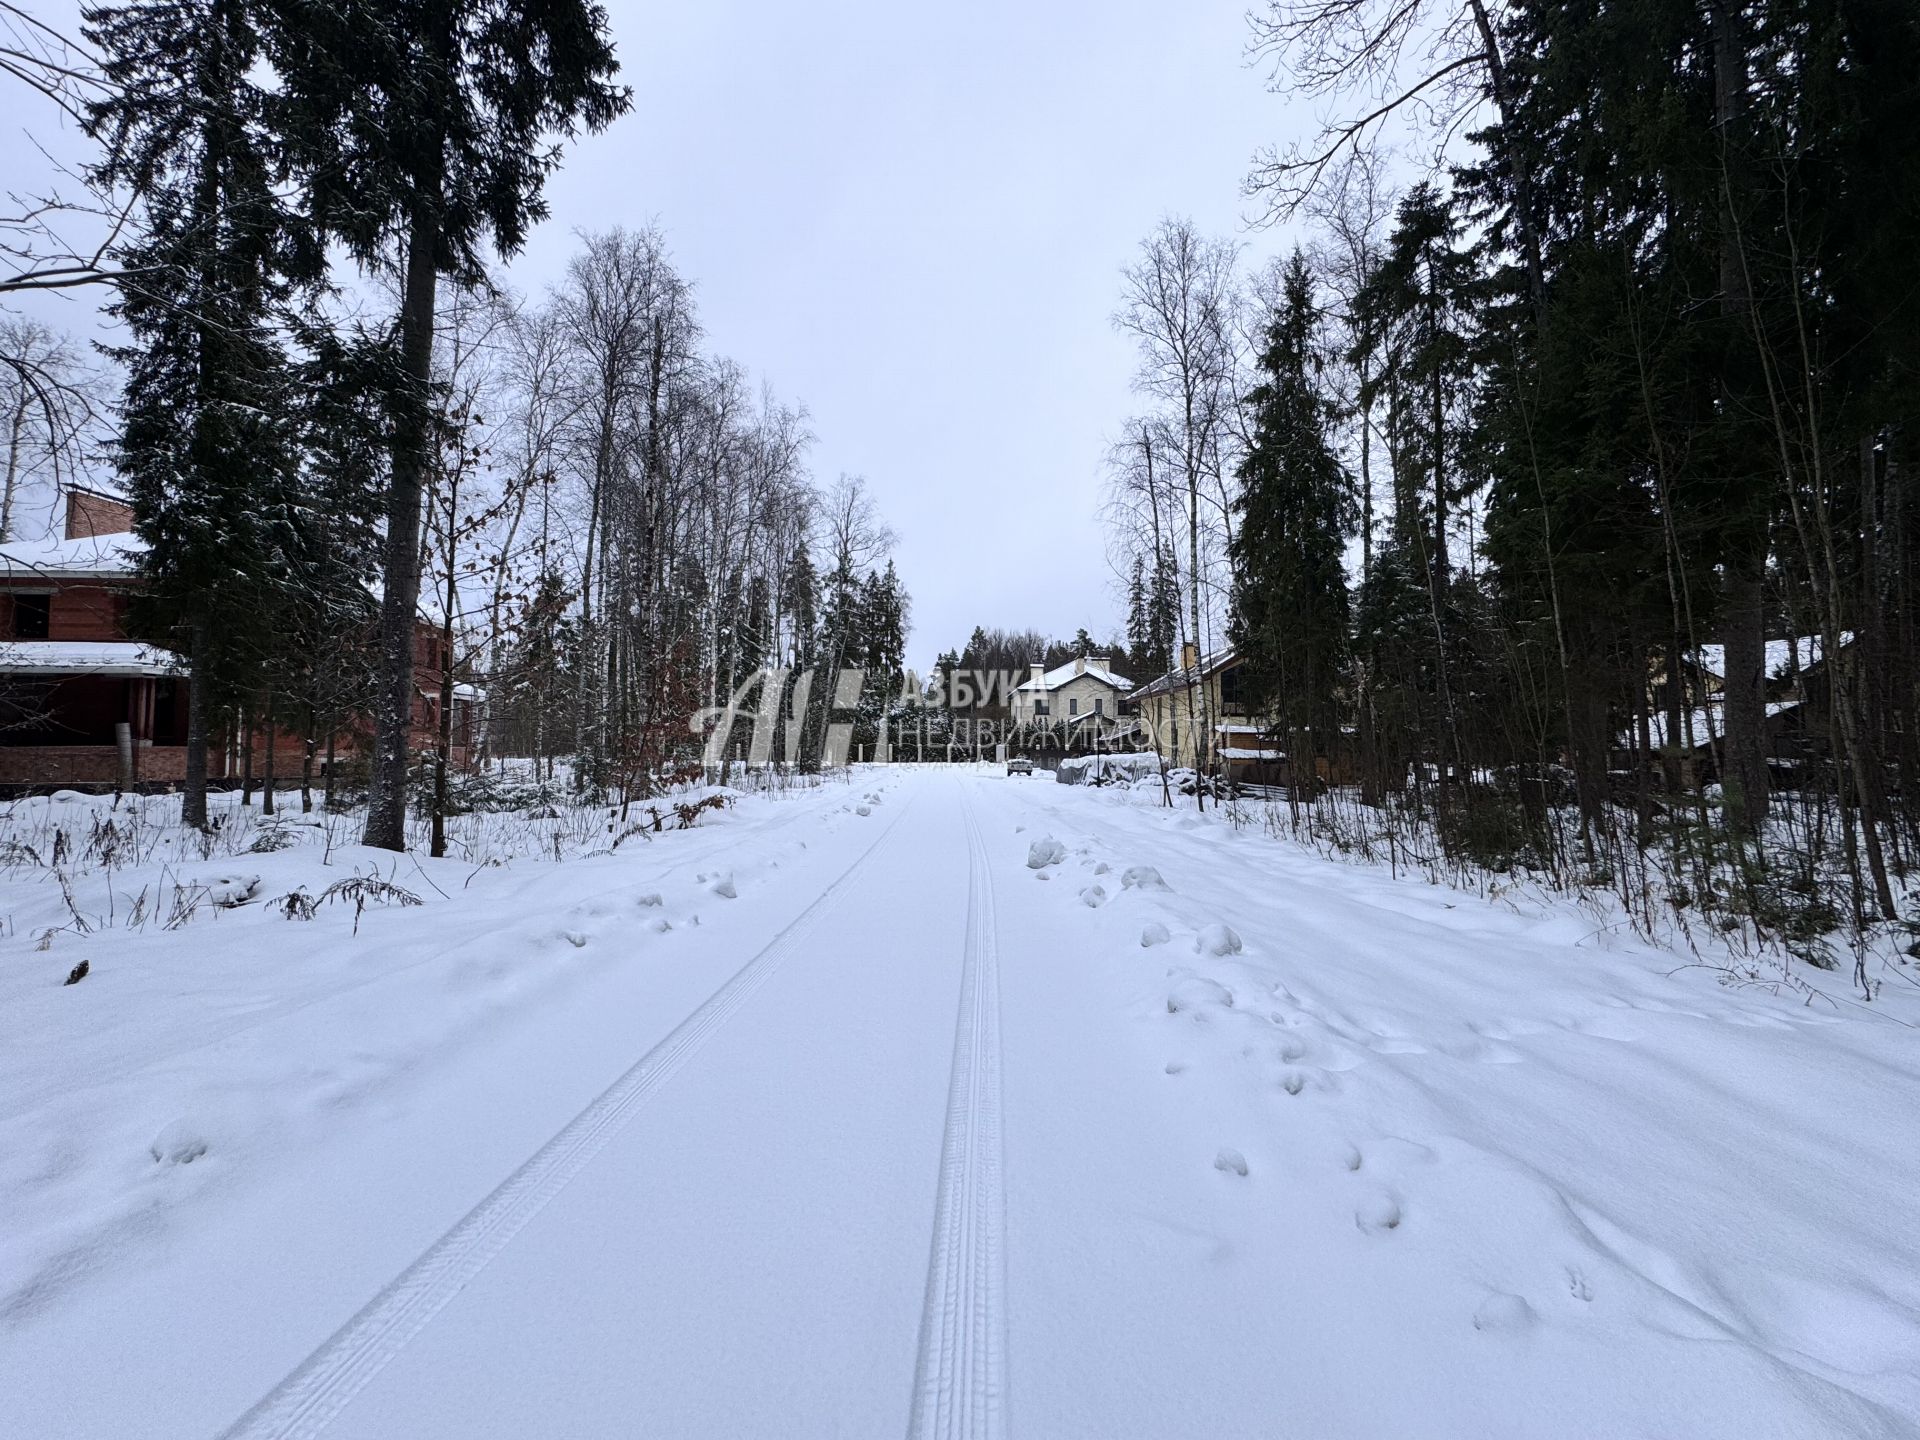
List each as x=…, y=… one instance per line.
x=83, y=706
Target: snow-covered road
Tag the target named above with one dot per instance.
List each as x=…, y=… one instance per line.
x=1183, y=1133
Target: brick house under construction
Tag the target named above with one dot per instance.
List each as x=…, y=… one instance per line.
x=84, y=706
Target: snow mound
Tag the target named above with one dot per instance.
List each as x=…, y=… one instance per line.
x=1153, y=933
x=227, y=891
x=863, y=810
x=724, y=887
x=1230, y=1162
x=1142, y=877
x=1217, y=940
x=1093, y=897
x=1043, y=853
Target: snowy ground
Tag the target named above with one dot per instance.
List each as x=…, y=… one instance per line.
x=920, y=1104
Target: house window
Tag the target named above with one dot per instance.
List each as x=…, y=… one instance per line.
x=1039, y=707
x=31, y=616
x=1099, y=705
x=1073, y=705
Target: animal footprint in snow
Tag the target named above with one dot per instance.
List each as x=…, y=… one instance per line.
x=1577, y=1285
x=1153, y=933
x=1093, y=897
x=179, y=1143
x=863, y=810
x=1102, y=868
x=575, y=938
x=1293, y=1082
x=1501, y=1312
x=1230, y=1162
x=1378, y=1214
x=724, y=888
x=1141, y=877
x=650, y=901
x=1352, y=1159
x=1198, y=995
x=1217, y=940
x=1176, y=1067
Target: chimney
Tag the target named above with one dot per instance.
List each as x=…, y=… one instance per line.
x=1189, y=656
x=1080, y=665
x=90, y=513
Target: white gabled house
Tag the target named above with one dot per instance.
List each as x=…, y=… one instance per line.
x=1081, y=695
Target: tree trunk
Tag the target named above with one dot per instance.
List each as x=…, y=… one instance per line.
x=266, y=790
x=386, y=827
x=1743, y=620
x=193, y=799
x=1743, y=776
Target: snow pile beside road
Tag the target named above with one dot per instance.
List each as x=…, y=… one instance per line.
x=1104, y=769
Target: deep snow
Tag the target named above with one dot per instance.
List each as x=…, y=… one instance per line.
x=839, y=1114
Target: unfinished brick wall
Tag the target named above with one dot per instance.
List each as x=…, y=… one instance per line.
x=90, y=514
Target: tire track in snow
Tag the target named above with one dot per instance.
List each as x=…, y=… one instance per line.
x=960, y=1382
x=308, y=1399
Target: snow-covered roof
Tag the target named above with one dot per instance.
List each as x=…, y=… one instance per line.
x=97, y=557
x=1093, y=667
x=1184, y=678
x=1806, y=650
x=87, y=657
x=1235, y=752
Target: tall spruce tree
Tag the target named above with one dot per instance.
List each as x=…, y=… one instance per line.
x=421, y=130
x=207, y=439
x=1295, y=513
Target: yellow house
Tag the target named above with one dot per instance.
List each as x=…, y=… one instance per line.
x=1194, y=703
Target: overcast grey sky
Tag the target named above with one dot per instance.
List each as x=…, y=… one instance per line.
x=913, y=218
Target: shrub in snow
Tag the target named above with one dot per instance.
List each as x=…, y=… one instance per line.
x=1153, y=933
x=1043, y=853
x=1217, y=940
x=77, y=974
x=1142, y=877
